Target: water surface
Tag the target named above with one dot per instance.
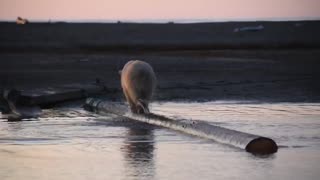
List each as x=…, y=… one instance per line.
x=70, y=143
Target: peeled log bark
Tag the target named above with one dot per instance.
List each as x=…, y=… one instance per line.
x=251, y=143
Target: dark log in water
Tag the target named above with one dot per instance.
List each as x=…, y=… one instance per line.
x=251, y=143
x=53, y=95
x=18, y=105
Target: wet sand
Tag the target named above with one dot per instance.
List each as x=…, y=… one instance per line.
x=197, y=62
x=266, y=75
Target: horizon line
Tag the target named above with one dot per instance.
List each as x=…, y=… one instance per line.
x=154, y=20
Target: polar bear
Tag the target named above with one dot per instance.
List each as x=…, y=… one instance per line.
x=138, y=83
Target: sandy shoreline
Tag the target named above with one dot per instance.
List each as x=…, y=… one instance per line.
x=202, y=61
x=261, y=75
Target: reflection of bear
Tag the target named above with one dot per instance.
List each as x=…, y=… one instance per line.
x=138, y=82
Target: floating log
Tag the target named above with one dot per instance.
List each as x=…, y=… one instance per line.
x=251, y=143
x=53, y=95
x=28, y=103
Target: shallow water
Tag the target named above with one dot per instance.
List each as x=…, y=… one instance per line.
x=70, y=143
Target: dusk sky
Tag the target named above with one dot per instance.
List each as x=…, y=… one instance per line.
x=108, y=10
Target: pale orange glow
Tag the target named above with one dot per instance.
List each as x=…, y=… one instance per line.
x=104, y=10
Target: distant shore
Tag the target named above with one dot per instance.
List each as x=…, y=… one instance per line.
x=75, y=37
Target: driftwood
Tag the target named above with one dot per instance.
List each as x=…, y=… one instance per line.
x=27, y=104
x=21, y=20
x=249, y=28
x=251, y=143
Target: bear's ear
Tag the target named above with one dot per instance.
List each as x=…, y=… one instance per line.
x=120, y=71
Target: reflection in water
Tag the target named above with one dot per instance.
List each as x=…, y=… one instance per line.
x=69, y=143
x=139, y=152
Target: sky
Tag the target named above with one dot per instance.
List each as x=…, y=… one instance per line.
x=149, y=10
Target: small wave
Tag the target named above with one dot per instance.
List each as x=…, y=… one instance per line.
x=14, y=141
x=294, y=146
